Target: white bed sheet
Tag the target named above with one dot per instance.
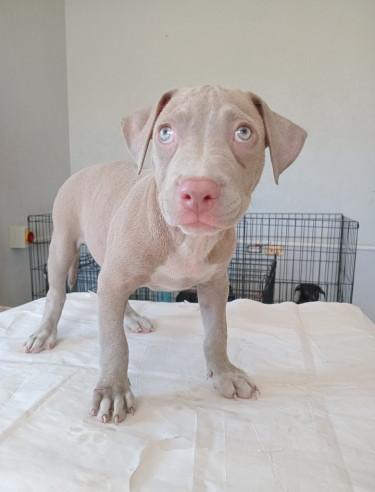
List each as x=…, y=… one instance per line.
x=311, y=429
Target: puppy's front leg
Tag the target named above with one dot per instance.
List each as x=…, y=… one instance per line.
x=228, y=379
x=112, y=395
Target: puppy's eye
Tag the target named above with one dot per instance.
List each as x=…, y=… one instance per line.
x=243, y=134
x=166, y=134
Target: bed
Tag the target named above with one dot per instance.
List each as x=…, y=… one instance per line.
x=311, y=429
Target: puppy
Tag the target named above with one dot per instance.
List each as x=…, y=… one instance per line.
x=167, y=228
x=307, y=293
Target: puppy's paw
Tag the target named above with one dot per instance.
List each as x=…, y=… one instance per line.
x=137, y=323
x=41, y=340
x=112, y=403
x=235, y=383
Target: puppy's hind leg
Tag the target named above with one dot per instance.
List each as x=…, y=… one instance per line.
x=63, y=254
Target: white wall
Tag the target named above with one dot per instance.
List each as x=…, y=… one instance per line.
x=312, y=61
x=34, y=140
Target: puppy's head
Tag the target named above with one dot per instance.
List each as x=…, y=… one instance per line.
x=208, y=153
x=307, y=293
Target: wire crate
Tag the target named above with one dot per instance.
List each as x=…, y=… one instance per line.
x=41, y=225
x=309, y=248
x=252, y=279
x=274, y=254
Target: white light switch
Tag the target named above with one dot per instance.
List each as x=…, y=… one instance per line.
x=18, y=236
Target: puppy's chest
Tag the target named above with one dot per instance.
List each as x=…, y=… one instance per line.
x=184, y=268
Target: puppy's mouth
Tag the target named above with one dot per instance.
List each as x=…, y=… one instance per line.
x=203, y=219
x=205, y=223
x=199, y=228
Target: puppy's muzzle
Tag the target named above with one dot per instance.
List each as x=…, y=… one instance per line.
x=197, y=200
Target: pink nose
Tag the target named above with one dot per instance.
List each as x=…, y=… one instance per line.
x=198, y=194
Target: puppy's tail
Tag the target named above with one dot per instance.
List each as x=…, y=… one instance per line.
x=72, y=274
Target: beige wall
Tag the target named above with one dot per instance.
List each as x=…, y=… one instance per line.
x=34, y=144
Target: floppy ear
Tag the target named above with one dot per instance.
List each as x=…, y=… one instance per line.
x=284, y=138
x=137, y=128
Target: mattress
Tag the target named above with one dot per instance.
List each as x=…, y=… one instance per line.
x=312, y=428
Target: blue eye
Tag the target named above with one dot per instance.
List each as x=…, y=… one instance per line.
x=243, y=133
x=166, y=134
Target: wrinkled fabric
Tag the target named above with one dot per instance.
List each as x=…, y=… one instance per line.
x=312, y=427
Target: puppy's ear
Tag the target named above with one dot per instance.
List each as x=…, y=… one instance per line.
x=284, y=138
x=297, y=294
x=322, y=291
x=137, y=128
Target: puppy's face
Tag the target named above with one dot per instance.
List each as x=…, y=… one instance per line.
x=208, y=152
x=209, y=139
x=308, y=293
x=312, y=293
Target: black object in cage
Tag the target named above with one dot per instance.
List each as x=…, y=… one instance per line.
x=274, y=254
